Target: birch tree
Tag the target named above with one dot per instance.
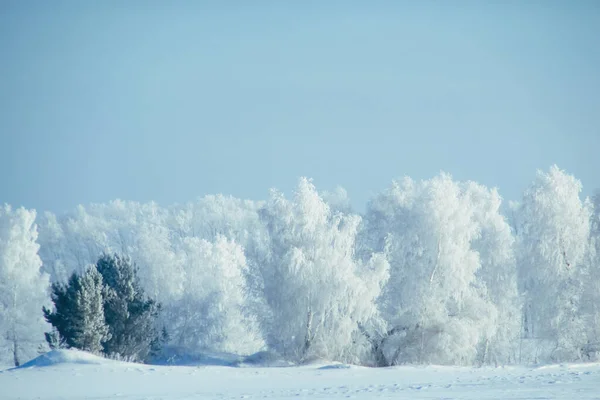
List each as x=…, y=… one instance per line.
x=554, y=227
x=23, y=287
x=316, y=291
x=437, y=234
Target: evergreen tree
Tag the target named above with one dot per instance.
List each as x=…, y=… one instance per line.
x=78, y=317
x=129, y=314
x=64, y=313
x=91, y=330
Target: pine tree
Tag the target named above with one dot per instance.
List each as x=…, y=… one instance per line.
x=64, y=314
x=92, y=329
x=129, y=314
x=78, y=317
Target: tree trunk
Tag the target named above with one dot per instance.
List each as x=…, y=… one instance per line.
x=309, y=336
x=378, y=345
x=16, y=353
x=380, y=359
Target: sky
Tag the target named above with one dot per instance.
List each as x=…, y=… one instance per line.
x=169, y=101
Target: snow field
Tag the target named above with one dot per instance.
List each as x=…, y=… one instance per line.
x=77, y=375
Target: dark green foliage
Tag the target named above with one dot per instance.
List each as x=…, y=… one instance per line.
x=65, y=313
x=129, y=314
x=78, y=319
x=159, y=342
x=105, y=310
x=54, y=339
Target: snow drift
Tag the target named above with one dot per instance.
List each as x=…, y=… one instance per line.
x=64, y=356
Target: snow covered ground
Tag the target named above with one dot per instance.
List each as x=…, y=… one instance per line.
x=75, y=375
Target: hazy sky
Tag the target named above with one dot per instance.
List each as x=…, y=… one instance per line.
x=154, y=101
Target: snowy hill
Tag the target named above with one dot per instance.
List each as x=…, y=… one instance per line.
x=60, y=357
x=78, y=375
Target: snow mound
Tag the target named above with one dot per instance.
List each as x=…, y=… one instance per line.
x=63, y=356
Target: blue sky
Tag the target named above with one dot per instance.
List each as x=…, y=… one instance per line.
x=167, y=102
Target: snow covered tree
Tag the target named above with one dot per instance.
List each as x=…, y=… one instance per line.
x=235, y=219
x=72, y=241
x=317, y=293
x=213, y=313
x=161, y=269
x=590, y=304
x=78, y=315
x=554, y=227
x=437, y=303
x=214, y=215
x=498, y=272
x=155, y=238
x=89, y=301
x=23, y=288
x=129, y=314
x=53, y=241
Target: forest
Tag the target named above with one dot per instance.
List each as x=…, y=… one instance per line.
x=435, y=271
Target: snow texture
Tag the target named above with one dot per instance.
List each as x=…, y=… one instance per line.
x=69, y=374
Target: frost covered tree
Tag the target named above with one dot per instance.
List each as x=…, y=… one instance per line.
x=154, y=237
x=591, y=296
x=498, y=272
x=235, y=219
x=23, y=287
x=72, y=241
x=53, y=242
x=92, y=329
x=590, y=303
x=129, y=314
x=553, y=232
x=440, y=303
x=78, y=314
x=317, y=293
x=161, y=269
x=214, y=215
x=213, y=313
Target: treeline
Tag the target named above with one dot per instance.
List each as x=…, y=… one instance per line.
x=435, y=271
